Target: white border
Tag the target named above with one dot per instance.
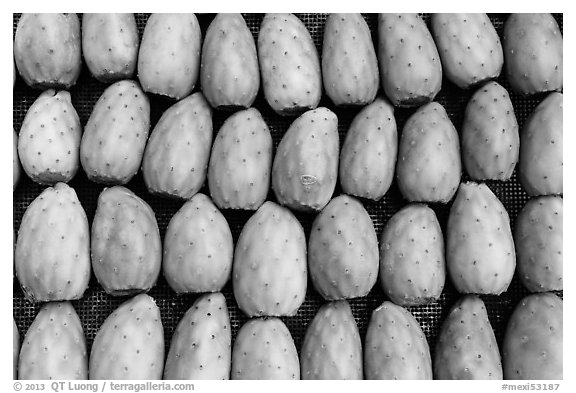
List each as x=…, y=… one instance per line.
x=6, y=246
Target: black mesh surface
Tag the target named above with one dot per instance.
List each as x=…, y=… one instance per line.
x=96, y=305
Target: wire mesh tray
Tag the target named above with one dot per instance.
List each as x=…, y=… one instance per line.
x=96, y=305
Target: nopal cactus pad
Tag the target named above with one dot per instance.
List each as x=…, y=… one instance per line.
x=343, y=250
x=198, y=248
x=125, y=243
x=396, y=347
x=110, y=45
x=201, y=347
x=349, y=63
x=52, y=254
x=176, y=158
x=480, y=252
x=289, y=64
x=269, y=274
x=116, y=134
x=410, y=67
x=130, y=342
x=229, y=73
x=169, y=55
x=49, y=140
x=368, y=155
x=305, y=167
x=332, y=348
x=47, y=50
x=264, y=350
x=54, y=346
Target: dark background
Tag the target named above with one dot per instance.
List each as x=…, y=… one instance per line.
x=96, y=305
